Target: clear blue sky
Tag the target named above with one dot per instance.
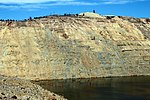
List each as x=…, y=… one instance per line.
x=21, y=9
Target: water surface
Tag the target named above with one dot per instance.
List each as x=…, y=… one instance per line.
x=119, y=88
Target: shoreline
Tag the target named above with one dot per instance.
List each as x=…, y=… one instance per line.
x=15, y=88
x=90, y=78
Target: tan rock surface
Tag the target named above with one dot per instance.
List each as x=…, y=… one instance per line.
x=90, y=14
x=75, y=47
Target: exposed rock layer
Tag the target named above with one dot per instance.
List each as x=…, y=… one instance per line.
x=75, y=47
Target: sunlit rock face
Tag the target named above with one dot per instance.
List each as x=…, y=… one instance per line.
x=60, y=47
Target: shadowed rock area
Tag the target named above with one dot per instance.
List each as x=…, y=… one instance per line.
x=61, y=47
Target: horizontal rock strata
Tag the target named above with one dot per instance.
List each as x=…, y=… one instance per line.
x=60, y=47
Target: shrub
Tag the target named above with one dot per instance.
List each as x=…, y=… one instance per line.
x=147, y=20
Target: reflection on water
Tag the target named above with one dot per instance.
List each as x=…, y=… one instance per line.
x=120, y=88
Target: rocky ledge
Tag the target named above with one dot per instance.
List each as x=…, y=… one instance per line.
x=14, y=88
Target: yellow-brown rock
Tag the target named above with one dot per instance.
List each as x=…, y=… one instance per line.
x=75, y=47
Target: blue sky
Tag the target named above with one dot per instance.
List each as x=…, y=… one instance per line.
x=21, y=9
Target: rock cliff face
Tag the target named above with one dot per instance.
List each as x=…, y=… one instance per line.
x=60, y=47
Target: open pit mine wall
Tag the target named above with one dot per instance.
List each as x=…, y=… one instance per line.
x=75, y=47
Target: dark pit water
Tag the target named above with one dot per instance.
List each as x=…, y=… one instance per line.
x=119, y=88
